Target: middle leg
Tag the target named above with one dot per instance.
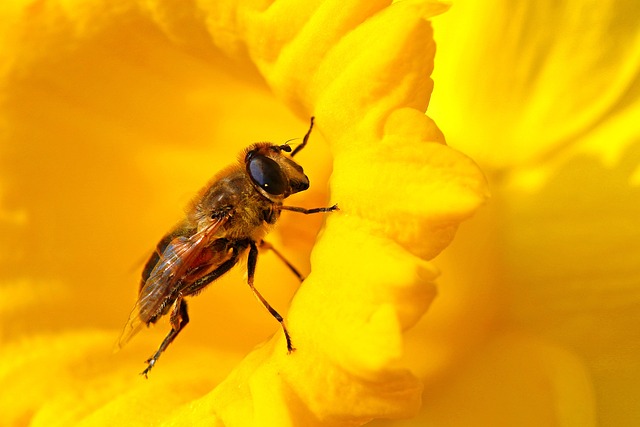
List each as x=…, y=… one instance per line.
x=267, y=245
x=251, y=270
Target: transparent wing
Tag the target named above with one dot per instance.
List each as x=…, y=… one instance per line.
x=164, y=282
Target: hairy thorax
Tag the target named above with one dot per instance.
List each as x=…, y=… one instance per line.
x=251, y=214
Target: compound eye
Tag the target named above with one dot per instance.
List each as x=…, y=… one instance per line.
x=267, y=174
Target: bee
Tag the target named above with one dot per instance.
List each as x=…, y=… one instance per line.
x=226, y=221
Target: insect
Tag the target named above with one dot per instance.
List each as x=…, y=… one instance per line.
x=227, y=219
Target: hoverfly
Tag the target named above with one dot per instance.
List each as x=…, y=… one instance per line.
x=228, y=218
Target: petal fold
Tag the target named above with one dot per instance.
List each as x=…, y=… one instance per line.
x=363, y=70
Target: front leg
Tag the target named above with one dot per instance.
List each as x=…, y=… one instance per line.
x=309, y=211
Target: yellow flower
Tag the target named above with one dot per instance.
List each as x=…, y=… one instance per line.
x=113, y=111
x=536, y=321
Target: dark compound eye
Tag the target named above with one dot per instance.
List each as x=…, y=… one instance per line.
x=267, y=174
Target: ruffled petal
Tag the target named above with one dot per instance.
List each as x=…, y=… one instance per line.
x=365, y=289
x=552, y=115
x=362, y=70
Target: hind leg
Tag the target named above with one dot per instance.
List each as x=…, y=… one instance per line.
x=179, y=319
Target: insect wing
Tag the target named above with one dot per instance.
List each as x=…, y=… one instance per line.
x=164, y=280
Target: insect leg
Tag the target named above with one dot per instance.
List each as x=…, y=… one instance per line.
x=267, y=245
x=309, y=211
x=251, y=269
x=179, y=316
x=304, y=140
x=179, y=319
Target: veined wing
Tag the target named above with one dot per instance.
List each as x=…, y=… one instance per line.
x=178, y=258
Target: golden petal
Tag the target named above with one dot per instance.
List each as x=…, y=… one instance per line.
x=510, y=94
x=100, y=75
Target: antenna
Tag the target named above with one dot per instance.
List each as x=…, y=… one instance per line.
x=304, y=140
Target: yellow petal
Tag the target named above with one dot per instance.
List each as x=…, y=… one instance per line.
x=110, y=111
x=512, y=380
x=554, y=114
x=518, y=83
x=580, y=288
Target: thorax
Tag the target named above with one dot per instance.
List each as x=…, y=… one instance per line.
x=251, y=215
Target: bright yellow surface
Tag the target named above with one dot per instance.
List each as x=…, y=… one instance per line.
x=114, y=113
x=540, y=324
